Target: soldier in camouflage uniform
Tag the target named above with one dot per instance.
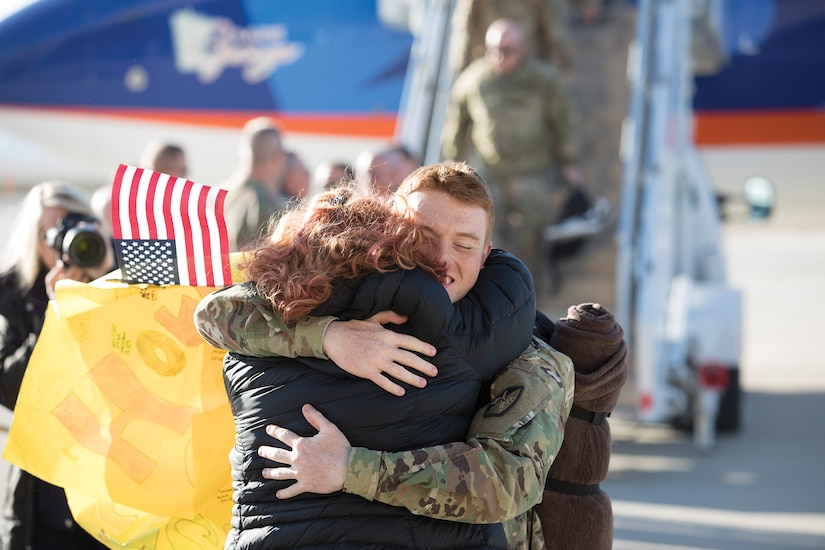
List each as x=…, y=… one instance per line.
x=256, y=188
x=510, y=117
x=496, y=475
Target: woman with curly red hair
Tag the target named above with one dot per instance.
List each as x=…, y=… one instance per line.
x=338, y=235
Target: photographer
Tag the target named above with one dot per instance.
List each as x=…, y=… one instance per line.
x=56, y=237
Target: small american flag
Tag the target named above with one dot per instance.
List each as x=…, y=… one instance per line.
x=168, y=230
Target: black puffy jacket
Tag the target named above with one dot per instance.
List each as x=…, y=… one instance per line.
x=475, y=338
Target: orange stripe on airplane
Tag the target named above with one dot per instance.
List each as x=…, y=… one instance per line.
x=759, y=128
x=379, y=125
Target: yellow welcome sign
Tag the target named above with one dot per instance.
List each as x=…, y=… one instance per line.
x=123, y=405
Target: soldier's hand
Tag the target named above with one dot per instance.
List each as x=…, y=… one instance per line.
x=368, y=350
x=318, y=463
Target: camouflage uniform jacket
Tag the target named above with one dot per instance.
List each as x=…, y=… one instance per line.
x=518, y=124
x=496, y=475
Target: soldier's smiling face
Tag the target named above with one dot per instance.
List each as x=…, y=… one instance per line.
x=461, y=233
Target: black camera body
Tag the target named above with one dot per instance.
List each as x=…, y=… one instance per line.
x=76, y=237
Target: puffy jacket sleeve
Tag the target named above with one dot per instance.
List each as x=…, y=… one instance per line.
x=413, y=293
x=495, y=320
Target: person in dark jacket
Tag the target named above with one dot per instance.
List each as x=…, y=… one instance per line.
x=475, y=336
x=36, y=515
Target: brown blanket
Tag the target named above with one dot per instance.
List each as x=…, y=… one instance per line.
x=575, y=513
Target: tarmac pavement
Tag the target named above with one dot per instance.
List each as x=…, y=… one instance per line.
x=763, y=487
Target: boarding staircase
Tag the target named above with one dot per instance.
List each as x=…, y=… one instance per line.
x=598, y=84
x=597, y=81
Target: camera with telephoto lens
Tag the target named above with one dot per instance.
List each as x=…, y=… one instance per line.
x=76, y=237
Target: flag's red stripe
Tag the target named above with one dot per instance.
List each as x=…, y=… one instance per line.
x=133, y=190
x=213, y=245
x=223, y=235
x=116, y=230
x=150, y=206
x=206, y=239
x=187, y=235
x=167, y=210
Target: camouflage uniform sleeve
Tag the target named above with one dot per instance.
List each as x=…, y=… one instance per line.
x=236, y=319
x=499, y=472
